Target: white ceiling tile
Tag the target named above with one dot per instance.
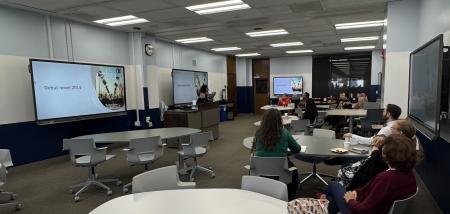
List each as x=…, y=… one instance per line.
x=137, y=6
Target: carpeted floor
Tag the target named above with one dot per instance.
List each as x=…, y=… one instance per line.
x=42, y=187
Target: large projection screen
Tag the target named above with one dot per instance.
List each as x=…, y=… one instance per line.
x=288, y=85
x=425, y=87
x=66, y=91
x=186, y=84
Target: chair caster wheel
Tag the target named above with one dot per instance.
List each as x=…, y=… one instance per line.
x=109, y=192
x=77, y=198
x=125, y=190
x=213, y=175
x=118, y=183
x=18, y=206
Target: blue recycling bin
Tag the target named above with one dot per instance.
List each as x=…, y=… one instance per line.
x=223, y=113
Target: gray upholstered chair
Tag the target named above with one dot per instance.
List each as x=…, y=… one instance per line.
x=165, y=178
x=299, y=126
x=197, y=148
x=143, y=151
x=84, y=153
x=271, y=167
x=6, y=203
x=265, y=186
x=399, y=206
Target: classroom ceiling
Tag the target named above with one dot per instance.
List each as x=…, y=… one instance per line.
x=309, y=21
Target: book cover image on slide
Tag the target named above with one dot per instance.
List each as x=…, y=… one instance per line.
x=110, y=86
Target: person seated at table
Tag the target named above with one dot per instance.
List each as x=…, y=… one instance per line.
x=390, y=114
x=284, y=100
x=358, y=174
x=377, y=196
x=203, y=94
x=310, y=108
x=343, y=102
x=273, y=140
x=362, y=99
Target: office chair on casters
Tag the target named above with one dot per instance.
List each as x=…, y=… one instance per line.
x=83, y=153
x=299, y=126
x=271, y=167
x=143, y=151
x=197, y=148
x=165, y=178
x=316, y=159
x=6, y=203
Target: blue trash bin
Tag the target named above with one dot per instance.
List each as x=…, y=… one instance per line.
x=223, y=113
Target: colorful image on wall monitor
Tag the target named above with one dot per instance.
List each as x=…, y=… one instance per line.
x=288, y=85
x=68, y=90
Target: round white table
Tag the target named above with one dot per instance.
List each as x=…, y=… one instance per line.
x=280, y=108
x=286, y=120
x=193, y=201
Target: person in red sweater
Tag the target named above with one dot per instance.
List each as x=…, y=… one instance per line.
x=378, y=195
x=284, y=100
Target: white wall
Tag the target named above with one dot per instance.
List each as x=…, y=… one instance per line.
x=377, y=67
x=243, y=72
x=292, y=66
x=410, y=24
x=168, y=56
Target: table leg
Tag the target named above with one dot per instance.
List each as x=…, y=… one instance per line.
x=351, y=124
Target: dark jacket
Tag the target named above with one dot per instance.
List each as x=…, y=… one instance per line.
x=371, y=168
x=310, y=110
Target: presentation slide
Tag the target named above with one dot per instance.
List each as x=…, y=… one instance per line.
x=69, y=90
x=288, y=85
x=186, y=84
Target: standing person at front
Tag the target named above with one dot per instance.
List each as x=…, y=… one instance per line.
x=272, y=140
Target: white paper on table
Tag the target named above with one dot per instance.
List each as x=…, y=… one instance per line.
x=303, y=148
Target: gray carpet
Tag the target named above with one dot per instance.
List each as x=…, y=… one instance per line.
x=42, y=187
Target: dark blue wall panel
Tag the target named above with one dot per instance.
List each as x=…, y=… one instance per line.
x=244, y=99
x=29, y=142
x=435, y=170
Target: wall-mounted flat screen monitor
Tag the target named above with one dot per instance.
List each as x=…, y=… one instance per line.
x=425, y=87
x=288, y=85
x=186, y=85
x=68, y=91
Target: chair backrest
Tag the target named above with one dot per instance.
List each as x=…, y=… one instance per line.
x=400, y=205
x=299, y=125
x=165, y=178
x=141, y=147
x=299, y=112
x=375, y=115
x=372, y=105
x=320, y=117
x=197, y=140
x=5, y=157
x=2, y=174
x=84, y=147
x=366, y=126
x=265, y=186
x=324, y=133
x=272, y=167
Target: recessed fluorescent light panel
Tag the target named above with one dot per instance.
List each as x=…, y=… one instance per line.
x=361, y=24
x=358, y=39
x=226, y=49
x=359, y=48
x=267, y=33
x=287, y=44
x=247, y=54
x=194, y=40
x=299, y=51
x=218, y=7
x=123, y=20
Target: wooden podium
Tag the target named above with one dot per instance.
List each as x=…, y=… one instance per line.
x=205, y=118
